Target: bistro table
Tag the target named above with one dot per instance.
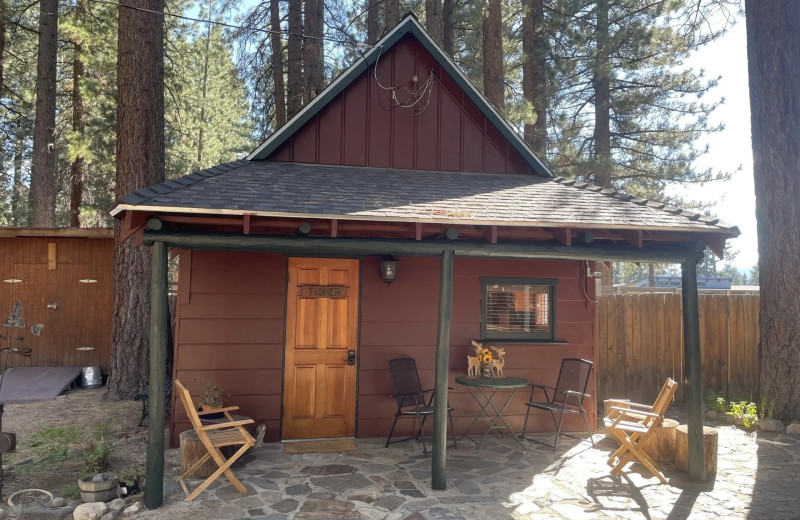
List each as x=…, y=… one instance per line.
x=486, y=389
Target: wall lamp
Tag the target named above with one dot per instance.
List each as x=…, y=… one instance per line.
x=388, y=269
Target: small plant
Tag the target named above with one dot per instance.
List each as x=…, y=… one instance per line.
x=746, y=411
x=97, y=448
x=55, y=444
x=212, y=395
x=767, y=408
x=716, y=402
x=71, y=491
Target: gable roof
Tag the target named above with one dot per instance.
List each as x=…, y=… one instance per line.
x=280, y=189
x=408, y=26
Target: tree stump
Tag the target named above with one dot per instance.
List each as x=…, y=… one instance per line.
x=193, y=450
x=709, y=448
x=660, y=444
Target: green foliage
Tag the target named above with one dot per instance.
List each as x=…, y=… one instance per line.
x=746, y=411
x=55, y=444
x=97, y=448
x=767, y=408
x=71, y=491
x=212, y=395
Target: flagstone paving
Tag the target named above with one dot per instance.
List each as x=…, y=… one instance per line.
x=758, y=478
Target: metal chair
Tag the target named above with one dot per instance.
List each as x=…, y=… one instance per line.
x=410, y=399
x=567, y=397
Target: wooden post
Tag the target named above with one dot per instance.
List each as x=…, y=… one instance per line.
x=159, y=309
x=691, y=349
x=438, y=477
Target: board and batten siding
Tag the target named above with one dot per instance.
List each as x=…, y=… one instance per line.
x=51, y=275
x=230, y=332
x=401, y=320
x=361, y=127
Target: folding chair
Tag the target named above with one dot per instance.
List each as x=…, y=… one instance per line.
x=213, y=437
x=630, y=423
x=567, y=397
x=410, y=399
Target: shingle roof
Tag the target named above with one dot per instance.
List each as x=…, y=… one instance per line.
x=274, y=188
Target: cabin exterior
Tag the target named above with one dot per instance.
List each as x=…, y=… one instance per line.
x=280, y=298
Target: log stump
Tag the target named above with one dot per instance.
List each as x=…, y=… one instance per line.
x=660, y=444
x=709, y=448
x=193, y=450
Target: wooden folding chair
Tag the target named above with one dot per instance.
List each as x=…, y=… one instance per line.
x=630, y=423
x=213, y=437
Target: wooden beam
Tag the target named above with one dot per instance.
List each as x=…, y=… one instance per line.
x=305, y=245
x=439, y=474
x=563, y=235
x=52, y=256
x=493, y=234
x=334, y=228
x=132, y=223
x=159, y=330
x=418, y=231
x=246, y=223
x=717, y=245
x=692, y=370
x=634, y=237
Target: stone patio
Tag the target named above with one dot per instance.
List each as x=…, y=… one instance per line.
x=758, y=478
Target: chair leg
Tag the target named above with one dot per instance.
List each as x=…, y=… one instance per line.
x=558, y=428
x=525, y=424
x=586, y=422
x=452, y=431
x=391, y=431
x=421, y=420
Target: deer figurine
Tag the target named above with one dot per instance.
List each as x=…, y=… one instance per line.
x=473, y=363
x=497, y=364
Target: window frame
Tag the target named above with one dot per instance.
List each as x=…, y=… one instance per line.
x=531, y=337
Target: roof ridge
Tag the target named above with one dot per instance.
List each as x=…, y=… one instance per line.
x=639, y=201
x=178, y=183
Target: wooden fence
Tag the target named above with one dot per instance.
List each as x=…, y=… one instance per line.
x=639, y=338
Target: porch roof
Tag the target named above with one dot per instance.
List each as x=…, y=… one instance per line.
x=280, y=189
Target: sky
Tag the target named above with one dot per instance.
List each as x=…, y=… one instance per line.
x=732, y=201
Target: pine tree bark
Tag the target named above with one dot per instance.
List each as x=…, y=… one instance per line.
x=433, y=19
x=534, y=74
x=448, y=27
x=43, y=170
x=773, y=57
x=277, y=62
x=140, y=163
x=78, y=167
x=204, y=91
x=16, y=189
x=314, y=50
x=392, y=14
x=2, y=41
x=372, y=22
x=493, y=55
x=601, y=82
x=294, y=74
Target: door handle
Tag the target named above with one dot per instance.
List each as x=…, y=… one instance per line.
x=351, y=357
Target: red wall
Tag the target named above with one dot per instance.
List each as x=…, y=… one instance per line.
x=231, y=310
x=362, y=127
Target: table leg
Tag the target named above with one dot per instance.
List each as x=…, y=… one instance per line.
x=498, y=415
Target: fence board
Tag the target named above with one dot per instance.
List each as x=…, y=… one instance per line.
x=640, y=344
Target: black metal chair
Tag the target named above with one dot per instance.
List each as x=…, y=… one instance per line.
x=567, y=396
x=410, y=399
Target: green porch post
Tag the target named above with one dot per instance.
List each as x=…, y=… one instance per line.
x=691, y=349
x=159, y=311
x=439, y=473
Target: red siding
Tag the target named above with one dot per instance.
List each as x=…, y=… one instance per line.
x=362, y=127
x=230, y=330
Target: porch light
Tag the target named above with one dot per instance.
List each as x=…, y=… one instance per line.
x=389, y=269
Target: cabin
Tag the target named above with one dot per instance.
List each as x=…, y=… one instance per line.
x=56, y=294
x=396, y=215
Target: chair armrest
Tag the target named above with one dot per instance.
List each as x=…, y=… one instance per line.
x=628, y=411
x=218, y=410
x=227, y=424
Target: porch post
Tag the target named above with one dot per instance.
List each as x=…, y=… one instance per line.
x=438, y=478
x=159, y=311
x=692, y=369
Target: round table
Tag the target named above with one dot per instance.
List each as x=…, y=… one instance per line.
x=485, y=390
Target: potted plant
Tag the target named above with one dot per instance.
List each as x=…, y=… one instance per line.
x=211, y=399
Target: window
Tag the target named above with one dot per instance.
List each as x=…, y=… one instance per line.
x=518, y=308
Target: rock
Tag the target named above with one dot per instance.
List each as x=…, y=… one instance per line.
x=132, y=509
x=793, y=428
x=111, y=515
x=43, y=513
x=711, y=415
x=770, y=425
x=90, y=511
x=58, y=502
x=116, y=505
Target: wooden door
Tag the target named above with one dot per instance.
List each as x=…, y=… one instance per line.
x=321, y=331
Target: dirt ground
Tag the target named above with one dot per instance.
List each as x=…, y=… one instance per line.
x=81, y=408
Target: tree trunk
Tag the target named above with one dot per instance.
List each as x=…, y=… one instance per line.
x=2, y=41
x=372, y=22
x=773, y=57
x=313, y=53
x=493, y=55
x=204, y=91
x=78, y=168
x=43, y=171
x=16, y=189
x=140, y=163
x=295, y=58
x=534, y=74
x=602, y=100
x=433, y=19
x=448, y=27
x=277, y=63
x=392, y=14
